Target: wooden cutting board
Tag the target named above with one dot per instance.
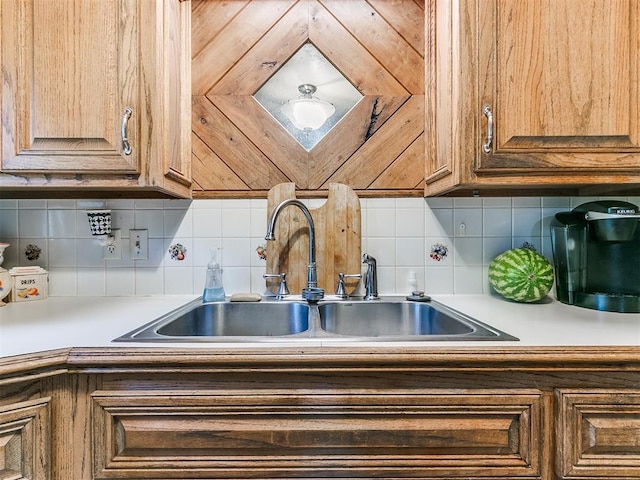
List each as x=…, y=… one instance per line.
x=337, y=234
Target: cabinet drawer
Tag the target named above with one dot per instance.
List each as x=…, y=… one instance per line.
x=599, y=433
x=196, y=434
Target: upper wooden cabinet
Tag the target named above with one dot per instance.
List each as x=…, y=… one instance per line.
x=95, y=96
x=559, y=90
x=240, y=149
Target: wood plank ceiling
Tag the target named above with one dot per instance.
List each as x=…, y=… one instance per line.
x=240, y=150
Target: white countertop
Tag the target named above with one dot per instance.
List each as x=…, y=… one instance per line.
x=63, y=322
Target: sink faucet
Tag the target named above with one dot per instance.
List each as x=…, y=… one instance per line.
x=312, y=293
x=371, y=278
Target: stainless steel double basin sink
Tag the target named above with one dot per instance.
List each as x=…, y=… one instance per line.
x=389, y=319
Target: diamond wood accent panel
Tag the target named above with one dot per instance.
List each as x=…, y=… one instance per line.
x=263, y=434
x=240, y=150
x=24, y=440
x=599, y=434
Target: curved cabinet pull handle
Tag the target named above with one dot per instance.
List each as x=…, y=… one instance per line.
x=126, y=147
x=486, y=146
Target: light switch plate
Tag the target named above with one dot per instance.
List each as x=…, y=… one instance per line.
x=139, y=244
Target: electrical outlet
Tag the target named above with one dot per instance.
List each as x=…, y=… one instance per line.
x=112, y=246
x=139, y=244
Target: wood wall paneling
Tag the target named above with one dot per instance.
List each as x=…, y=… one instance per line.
x=240, y=150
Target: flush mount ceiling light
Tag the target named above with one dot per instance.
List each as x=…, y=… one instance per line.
x=308, y=112
x=307, y=66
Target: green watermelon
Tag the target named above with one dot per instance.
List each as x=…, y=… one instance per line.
x=521, y=274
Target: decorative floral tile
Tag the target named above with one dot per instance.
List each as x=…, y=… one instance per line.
x=32, y=252
x=261, y=250
x=439, y=251
x=178, y=252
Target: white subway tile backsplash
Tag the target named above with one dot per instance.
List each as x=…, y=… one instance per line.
x=402, y=277
x=207, y=222
x=259, y=221
x=202, y=248
x=236, y=279
x=179, y=281
x=61, y=204
x=89, y=253
x=409, y=222
x=439, y=202
x=91, y=204
x=25, y=204
x=91, y=282
x=374, y=203
x=62, y=252
x=410, y=202
x=536, y=242
x=8, y=224
x=157, y=253
x=439, y=280
x=409, y=252
x=61, y=223
x=468, y=280
x=386, y=279
x=490, y=202
x=236, y=222
x=120, y=282
x=178, y=223
x=467, y=222
x=177, y=204
x=8, y=204
x=561, y=203
x=120, y=204
x=494, y=246
x=122, y=219
x=438, y=222
x=236, y=252
x=63, y=282
x=467, y=252
x=527, y=222
x=149, y=281
x=146, y=204
x=382, y=249
x=448, y=242
x=467, y=202
x=152, y=220
x=380, y=222
x=496, y=222
x=32, y=223
x=530, y=202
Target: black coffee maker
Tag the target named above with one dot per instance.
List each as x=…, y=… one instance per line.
x=596, y=251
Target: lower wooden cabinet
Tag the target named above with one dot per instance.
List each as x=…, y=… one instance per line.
x=599, y=434
x=200, y=434
x=25, y=440
x=269, y=415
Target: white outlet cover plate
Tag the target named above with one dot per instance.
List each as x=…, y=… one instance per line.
x=113, y=249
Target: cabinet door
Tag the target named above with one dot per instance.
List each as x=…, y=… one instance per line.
x=561, y=80
x=24, y=440
x=560, y=91
x=69, y=72
x=251, y=434
x=599, y=434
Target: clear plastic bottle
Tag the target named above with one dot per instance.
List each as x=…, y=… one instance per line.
x=412, y=282
x=213, y=287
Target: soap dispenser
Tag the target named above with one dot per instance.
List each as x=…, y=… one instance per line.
x=213, y=288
